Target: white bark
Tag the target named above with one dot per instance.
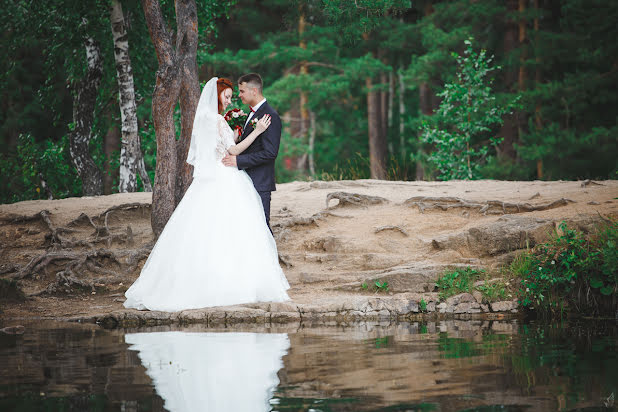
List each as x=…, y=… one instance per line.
x=83, y=117
x=131, y=160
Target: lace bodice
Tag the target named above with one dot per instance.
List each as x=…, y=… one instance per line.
x=225, y=138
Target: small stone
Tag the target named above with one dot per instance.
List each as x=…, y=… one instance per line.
x=478, y=296
x=504, y=306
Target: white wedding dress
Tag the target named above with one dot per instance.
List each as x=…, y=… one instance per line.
x=213, y=372
x=216, y=248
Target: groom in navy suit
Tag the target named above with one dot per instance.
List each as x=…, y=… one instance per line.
x=258, y=160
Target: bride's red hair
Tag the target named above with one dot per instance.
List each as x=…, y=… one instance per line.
x=222, y=84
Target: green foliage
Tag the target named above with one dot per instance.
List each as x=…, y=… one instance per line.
x=422, y=305
x=462, y=280
x=467, y=113
x=571, y=272
x=378, y=286
x=458, y=281
x=32, y=162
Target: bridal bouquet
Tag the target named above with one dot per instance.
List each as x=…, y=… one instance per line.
x=236, y=118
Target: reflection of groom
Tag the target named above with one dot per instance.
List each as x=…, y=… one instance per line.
x=258, y=160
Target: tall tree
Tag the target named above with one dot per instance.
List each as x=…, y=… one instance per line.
x=172, y=80
x=83, y=116
x=131, y=159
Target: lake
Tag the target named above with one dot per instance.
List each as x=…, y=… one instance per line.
x=426, y=366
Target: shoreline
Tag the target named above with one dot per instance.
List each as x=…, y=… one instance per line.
x=74, y=258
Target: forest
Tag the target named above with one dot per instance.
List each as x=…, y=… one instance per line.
x=383, y=89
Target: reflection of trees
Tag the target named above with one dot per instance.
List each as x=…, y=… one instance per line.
x=73, y=368
x=452, y=365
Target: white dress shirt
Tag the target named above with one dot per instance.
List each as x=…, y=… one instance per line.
x=255, y=109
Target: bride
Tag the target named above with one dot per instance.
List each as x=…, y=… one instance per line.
x=216, y=248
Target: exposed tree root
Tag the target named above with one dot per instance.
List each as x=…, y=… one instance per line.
x=494, y=207
x=305, y=221
x=76, y=265
x=389, y=227
x=354, y=199
x=590, y=182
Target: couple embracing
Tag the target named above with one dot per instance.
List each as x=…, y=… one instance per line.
x=217, y=248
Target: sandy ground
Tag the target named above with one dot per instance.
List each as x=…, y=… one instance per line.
x=327, y=250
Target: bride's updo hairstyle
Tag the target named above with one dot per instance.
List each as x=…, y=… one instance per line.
x=222, y=84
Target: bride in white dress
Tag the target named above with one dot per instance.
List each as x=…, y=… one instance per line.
x=216, y=248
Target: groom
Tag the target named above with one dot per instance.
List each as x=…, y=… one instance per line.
x=258, y=160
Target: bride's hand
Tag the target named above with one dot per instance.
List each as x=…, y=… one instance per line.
x=263, y=123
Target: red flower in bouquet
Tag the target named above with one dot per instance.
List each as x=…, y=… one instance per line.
x=236, y=118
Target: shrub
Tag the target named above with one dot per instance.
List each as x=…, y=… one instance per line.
x=571, y=272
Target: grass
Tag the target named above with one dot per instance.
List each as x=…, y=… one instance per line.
x=462, y=280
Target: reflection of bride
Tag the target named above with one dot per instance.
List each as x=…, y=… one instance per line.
x=212, y=371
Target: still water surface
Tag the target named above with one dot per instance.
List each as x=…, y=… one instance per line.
x=432, y=366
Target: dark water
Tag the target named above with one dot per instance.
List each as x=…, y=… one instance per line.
x=433, y=366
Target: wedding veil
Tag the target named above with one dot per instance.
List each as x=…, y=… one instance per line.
x=205, y=133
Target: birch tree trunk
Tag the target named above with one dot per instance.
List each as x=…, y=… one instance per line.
x=131, y=160
x=83, y=117
x=176, y=78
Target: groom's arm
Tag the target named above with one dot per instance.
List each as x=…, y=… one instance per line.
x=271, y=138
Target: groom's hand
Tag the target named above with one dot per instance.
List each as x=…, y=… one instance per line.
x=229, y=161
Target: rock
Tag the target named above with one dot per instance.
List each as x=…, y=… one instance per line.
x=467, y=307
x=461, y=298
x=508, y=233
x=504, y=306
x=328, y=244
x=478, y=296
x=417, y=277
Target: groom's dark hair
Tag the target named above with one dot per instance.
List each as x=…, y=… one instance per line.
x=252, y=79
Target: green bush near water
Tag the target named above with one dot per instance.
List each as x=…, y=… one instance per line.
x=572, y=272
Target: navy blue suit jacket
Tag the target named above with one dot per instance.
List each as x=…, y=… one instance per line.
x=258, y=160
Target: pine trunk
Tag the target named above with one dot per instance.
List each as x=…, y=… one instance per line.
x=186, y=49
x=402, y=109
x=301, y=161
x=509, y=130
x=130, y=151
x=164, y=98
x=377, y=142
x=83, y=117
x=312, y=132
x=538, y=122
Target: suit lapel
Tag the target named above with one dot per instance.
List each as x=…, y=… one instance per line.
x=256, y=115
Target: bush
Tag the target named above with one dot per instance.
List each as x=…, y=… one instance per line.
x=571, y=272
x=24, y=171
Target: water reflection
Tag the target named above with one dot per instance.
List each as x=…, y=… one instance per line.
x=435, y=365
x=212, y=371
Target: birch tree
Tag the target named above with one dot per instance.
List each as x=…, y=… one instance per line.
x=83, y=116
x=131, y=159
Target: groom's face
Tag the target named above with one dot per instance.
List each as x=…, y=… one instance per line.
x=247, y=94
